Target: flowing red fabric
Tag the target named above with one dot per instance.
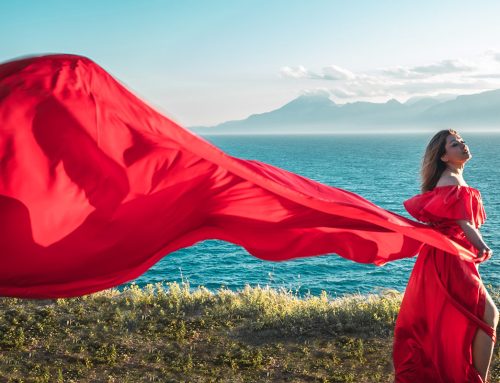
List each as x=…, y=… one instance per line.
x=96, y=186
x=444, y=301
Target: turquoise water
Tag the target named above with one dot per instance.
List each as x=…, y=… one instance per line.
x=381, y=168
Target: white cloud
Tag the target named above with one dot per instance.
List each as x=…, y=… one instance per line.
x=331, y=72
x=402, y=73
x=334, y=72
x=455, y=76
x=316, y=92
x=491, y=54
x=295, y=72
x=422, y=71
x=485, y=75
x=342, y=93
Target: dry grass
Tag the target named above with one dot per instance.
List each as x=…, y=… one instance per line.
x=169, y=334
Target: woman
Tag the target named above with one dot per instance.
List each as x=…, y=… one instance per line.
x=446, y=327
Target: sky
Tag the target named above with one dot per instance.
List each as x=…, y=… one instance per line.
x=206, y=62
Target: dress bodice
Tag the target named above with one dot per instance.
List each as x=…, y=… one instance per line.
x=442, y=206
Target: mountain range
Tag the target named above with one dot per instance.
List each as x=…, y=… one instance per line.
x=317, y=113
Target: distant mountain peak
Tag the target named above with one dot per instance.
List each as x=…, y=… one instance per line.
x=310, y=100
x=393, y=101
x=314, y=97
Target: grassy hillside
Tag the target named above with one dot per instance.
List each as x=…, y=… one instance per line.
x=165, y=333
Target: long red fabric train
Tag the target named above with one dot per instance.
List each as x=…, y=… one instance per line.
x=96, y=186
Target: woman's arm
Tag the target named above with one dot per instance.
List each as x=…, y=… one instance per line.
x=474, y=236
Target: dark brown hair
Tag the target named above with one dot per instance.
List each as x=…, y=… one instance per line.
x=432, y=165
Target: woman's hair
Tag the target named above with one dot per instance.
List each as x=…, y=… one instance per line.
x=432, y=165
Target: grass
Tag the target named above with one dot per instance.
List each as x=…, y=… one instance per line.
x=169, y=334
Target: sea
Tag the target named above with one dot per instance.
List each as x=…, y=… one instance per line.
x=383, y=168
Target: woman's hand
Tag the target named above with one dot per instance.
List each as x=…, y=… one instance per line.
x=485, y=253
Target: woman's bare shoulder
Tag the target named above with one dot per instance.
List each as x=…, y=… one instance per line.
x=449, y=180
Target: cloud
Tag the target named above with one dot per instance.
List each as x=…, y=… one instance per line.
x=441, y=68
x=437, y=86
x=455, y=76
x=316, y=92
x=342, y=93
x=445, y=66
x=402, y=73
x=492, y=54
x=334, y=72
x=331, y=72
x=485, y=75
x=295, y=72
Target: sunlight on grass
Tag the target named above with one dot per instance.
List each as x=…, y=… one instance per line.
x=170, y=333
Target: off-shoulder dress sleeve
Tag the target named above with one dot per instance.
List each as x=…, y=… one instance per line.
x=451, y=202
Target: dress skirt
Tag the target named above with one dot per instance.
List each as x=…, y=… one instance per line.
x=441, y=311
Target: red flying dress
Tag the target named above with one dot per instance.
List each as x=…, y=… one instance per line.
x=445, y=298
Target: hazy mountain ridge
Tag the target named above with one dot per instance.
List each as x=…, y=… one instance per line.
x=317, y=113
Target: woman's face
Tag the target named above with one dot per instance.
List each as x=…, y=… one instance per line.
x=457, y=152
